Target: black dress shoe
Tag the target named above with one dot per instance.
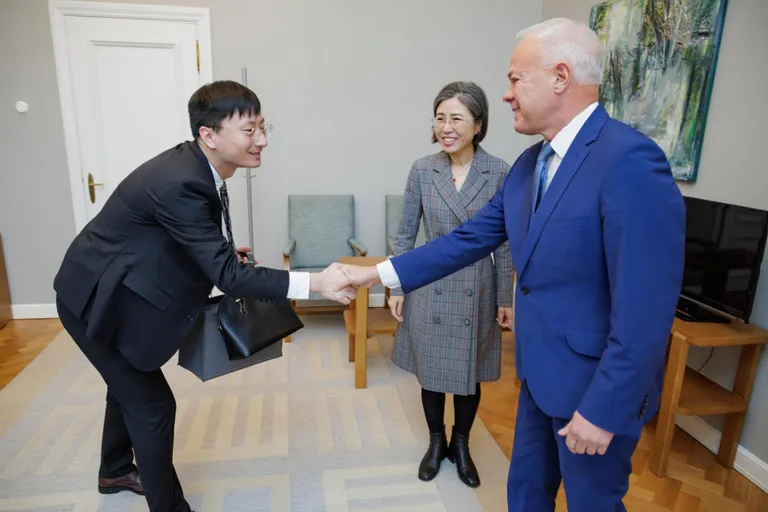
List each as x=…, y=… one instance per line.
x=130, y=482
x=436, y=452
x=458, y=452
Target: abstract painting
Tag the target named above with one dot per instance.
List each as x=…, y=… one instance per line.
x=660, y=63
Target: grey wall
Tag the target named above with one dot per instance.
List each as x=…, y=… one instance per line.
x=731, y=171
x=36, y=216
x=349, y=86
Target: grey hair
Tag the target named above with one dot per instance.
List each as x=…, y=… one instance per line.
x=565, y=40
x=471, y=96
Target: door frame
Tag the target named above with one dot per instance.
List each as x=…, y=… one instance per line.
x=59, y=10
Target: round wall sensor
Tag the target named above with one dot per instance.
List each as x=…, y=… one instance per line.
x=22, y=107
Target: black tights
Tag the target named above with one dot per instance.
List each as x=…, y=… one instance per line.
x=465, y=410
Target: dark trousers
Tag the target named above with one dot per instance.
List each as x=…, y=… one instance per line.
x=541, y=460
x=139, y=419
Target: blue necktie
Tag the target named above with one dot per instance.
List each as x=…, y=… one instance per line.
x=540, y=174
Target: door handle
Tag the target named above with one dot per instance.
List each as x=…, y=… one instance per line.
x=92, y=187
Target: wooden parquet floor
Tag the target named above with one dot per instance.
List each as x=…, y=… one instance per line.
x=20, y=342
x=696, y=482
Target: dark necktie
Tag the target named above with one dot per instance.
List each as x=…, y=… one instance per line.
x=225, y=211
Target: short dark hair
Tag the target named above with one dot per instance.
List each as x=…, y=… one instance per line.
x=217, y=101
x=473, y=97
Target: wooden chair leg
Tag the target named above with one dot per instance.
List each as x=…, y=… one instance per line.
x=287, y=339
x=351, y=349
x=361, y=339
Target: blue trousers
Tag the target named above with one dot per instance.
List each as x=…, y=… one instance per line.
x=540, y=460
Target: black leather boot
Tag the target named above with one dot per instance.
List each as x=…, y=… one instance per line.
x=436, y=452
x=458, y=452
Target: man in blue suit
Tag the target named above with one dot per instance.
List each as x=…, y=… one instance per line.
x=596, y=226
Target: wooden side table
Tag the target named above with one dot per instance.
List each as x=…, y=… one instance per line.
x=5, y=294
x=361, y=322
x=689, y=393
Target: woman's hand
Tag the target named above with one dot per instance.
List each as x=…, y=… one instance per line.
x=396, y=306
x=504, y=317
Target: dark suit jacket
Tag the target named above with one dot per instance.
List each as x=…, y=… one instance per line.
x=140, y=272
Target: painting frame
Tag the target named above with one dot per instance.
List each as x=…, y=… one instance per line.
x=674, y=114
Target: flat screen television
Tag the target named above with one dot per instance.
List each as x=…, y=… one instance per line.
x=724, y=247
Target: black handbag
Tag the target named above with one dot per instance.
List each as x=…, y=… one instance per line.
x=250, y=325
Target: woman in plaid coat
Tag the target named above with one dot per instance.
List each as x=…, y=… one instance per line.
x=450, y=334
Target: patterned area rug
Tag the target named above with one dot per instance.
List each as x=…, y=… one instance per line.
x=292, y=434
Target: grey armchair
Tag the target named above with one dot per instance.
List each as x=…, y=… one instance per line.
x=321, y=229
x=393, y=205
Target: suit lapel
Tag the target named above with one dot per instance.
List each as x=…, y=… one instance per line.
x=206, y=173
x=574, y=158
x=443, y=181
x=476, y=179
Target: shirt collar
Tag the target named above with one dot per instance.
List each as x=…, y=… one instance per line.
x=216, y=178
x=566, y=136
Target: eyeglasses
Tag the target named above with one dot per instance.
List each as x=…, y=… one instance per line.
x=454, y=122
x=258, y=132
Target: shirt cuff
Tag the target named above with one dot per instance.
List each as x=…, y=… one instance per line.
x=388, y=275
x=298, y=285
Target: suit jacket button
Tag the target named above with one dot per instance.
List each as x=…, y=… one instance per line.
x=466, y=321
x=190, y=318
x=436, y=319
x=438, y=291
x=524, y=291
x=469, y=293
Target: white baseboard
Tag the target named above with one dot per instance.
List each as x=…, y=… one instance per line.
x=746, y=463
x=33, y=311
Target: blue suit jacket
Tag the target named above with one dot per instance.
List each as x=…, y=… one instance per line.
x=599, y=269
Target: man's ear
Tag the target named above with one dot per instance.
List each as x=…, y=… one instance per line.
x=206, y=136
x=562, y=78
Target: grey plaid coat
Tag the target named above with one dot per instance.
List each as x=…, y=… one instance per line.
x=449, y=337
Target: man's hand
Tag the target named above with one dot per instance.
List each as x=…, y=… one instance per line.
x=504, y=317
x=396, y=306
x=362, y=276
x=581, y=436
x=333, y=284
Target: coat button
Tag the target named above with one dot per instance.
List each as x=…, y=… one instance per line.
x=436, y=319
x=438, y=291
x=524, y=291
x=466, y=321
x=190, y=318
x=469, y=293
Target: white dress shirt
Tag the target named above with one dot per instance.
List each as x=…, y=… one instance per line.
x=298, y=282
x=560, y=144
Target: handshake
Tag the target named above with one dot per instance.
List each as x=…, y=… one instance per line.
x=340, y=282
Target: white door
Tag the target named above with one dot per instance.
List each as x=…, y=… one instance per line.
x=125, y=78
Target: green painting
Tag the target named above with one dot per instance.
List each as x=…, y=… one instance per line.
x=660, y=63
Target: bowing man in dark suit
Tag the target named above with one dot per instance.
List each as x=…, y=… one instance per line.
x=135, y=278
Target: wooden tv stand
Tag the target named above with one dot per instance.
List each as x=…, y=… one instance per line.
x=689, y=393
